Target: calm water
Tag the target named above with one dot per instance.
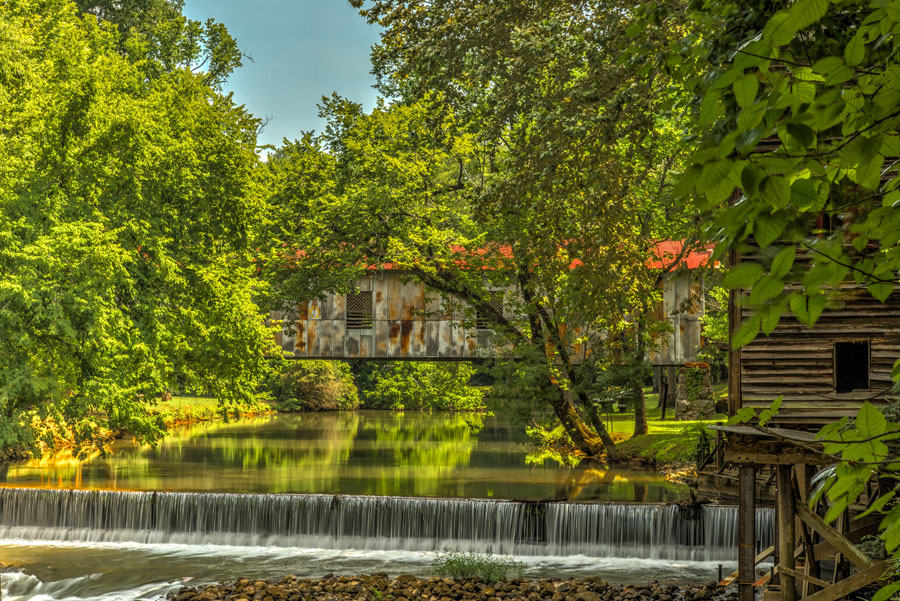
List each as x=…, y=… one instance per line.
x=368, y=453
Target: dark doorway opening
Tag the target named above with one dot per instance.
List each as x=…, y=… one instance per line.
x=851, y=366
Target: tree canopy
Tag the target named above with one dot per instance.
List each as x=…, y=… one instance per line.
x=517, y=139
x=127, y=207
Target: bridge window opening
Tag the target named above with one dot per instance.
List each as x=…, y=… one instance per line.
x=483, y=318
x=359, y=310
x=851, y=366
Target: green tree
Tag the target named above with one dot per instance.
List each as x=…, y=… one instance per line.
x=127, y=206
x=520, y=142
x=155, y=34
x=425, y=385
x=797, y=105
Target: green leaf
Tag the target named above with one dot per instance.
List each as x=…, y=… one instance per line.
x=804, y=195
x=878, y=505
x=783, y=261
x=855, y=51
x=804, y=13
x=870, y=422
x=745, y=90
x=715, y=173
x=751, y=176
x=766, y=289
x=767, y=228
x=802, y=134
x=776, y=190
x=770, y=320
x=807, y=309
x=778, y=31
x=743, y=275
x=772, y=411
x=886, y=592
x=741, y=416
x=827, y=65
x=880, y=290
x=746, y=333
x=709, y=107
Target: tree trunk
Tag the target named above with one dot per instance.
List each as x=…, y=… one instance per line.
x=584, y=440
x=637, y=384
x=640, y=405
x=663, y=393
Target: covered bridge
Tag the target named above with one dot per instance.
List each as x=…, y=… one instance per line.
x=391, y=317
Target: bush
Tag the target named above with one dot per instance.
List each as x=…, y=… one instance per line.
x=420, y=385
x=314, y=386
x=489, y=568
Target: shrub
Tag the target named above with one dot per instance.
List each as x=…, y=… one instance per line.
x=314, y=386
x=489, y=568
x=421, y=385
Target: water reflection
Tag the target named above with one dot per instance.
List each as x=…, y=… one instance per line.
x=372, y=453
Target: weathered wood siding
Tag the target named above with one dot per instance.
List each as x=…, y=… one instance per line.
x=798, y=362
x=412, y=322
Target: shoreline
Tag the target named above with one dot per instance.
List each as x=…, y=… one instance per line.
x=381, y=587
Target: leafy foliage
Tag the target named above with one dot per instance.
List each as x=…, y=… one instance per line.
x=314, y=386
x=437, y=386
x=126, y=209
x=519, y=147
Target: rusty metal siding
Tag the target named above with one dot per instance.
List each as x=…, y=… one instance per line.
x=411, y=322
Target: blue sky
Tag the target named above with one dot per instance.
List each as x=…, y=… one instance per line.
x=302, y=50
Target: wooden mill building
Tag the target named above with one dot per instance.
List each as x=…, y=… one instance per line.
x=823, y=373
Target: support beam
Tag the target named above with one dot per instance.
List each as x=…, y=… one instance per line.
x=834, y=537
x=784, y=500
x=849, y=585
x=747, y=533
x=763, y=555
x=802, y=576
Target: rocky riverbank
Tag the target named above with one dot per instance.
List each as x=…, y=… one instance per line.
x=379, y=587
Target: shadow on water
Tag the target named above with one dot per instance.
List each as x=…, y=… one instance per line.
x=368, y=453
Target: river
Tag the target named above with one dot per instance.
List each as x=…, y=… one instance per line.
x=339, y=493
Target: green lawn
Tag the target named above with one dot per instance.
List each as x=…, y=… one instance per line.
x=669, y=441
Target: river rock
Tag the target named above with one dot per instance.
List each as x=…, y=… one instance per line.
x=379, y=587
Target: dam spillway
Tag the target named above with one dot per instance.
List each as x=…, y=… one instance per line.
x=651, y=531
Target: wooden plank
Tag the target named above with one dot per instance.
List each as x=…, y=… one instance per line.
x=826, y=549
x=834, y=537
x=849, y=585
x=798, y=574
x=747, y=533
x=784, y=508
x=763, y=555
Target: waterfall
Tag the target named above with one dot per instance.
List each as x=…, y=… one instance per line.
x=707, y=533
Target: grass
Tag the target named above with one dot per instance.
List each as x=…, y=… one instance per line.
x=668, y=442
x=462, y=566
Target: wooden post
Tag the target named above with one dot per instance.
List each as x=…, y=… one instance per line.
x=671, y=386
x=784, y=499
x=746, y=532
